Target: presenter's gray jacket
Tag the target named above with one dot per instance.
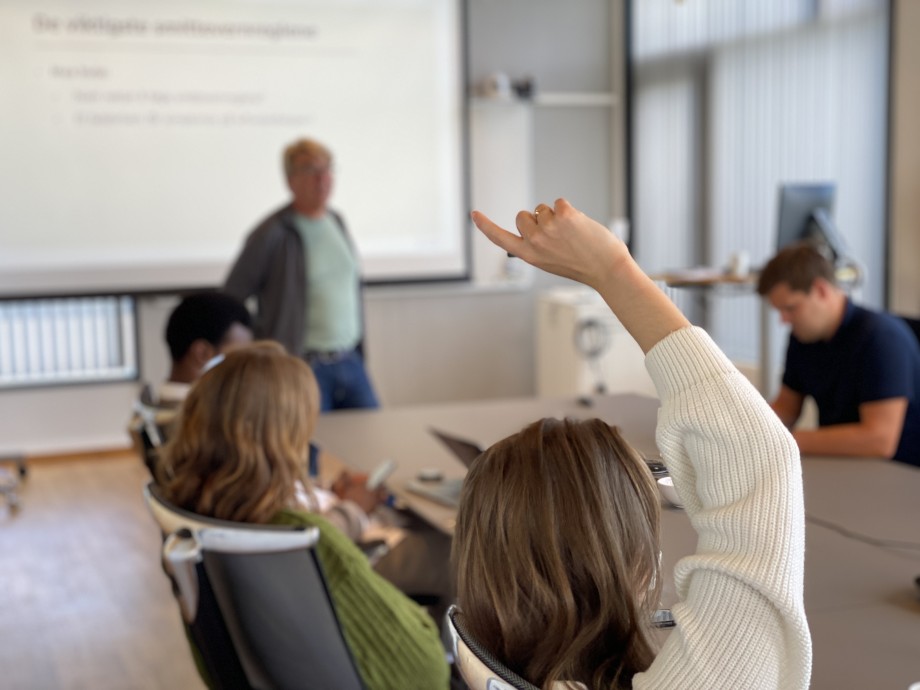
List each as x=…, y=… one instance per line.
x=272, y=266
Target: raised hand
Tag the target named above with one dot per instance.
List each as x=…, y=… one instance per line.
x=560, y=240
x=563, y=240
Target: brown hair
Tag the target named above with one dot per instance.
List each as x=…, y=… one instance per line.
x=304, y=148
x=797, y=265
x=556, y=553
x=242, y=437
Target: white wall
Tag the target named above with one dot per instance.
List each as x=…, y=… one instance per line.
x=435, y=342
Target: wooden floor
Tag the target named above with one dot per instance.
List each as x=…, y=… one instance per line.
x=83, y=601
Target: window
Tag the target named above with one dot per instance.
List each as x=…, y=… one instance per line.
x=732, y=98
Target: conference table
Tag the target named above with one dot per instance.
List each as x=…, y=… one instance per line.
x=862, y=529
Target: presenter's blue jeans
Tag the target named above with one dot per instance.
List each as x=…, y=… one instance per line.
x=343, y=383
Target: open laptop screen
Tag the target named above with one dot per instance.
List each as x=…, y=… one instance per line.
x=466, y=451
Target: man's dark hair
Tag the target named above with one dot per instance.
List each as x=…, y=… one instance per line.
x=207, y=315
x=798, y=265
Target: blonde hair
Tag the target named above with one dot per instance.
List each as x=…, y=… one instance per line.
x=304, y=148
x=556, y=554
x=242, y=437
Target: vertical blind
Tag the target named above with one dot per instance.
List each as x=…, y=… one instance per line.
x=733, y=98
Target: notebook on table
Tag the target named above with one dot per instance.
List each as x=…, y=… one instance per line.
x=446, y=491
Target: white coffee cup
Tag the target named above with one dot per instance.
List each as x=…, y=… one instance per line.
x=666, y=486
x=739, y=265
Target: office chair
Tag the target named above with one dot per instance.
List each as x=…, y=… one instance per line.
x=150, y=425
x=254, y=601
x=482, y=671
x=479, y=668
x=145, y=430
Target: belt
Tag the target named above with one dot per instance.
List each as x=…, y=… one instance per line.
x=327, y=356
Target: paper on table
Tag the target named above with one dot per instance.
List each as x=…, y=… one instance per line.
x=701, y=275
x=696, y=274
x=388, y=534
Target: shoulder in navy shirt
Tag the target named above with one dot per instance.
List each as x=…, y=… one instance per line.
x=872, y=356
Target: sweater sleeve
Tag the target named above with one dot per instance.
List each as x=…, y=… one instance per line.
x=395, y=643
x=740, y=618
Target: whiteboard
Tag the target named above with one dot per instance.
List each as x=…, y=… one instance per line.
x=140, y=142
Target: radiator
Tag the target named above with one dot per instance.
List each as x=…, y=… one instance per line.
x=67, y=340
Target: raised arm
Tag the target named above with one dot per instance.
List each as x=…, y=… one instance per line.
x=564, y=241
x=740, y=615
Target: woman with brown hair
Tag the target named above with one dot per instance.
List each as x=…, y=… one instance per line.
x=559, y=517
x=239, y=452
x=556, y=543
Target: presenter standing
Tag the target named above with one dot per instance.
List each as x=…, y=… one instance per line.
x=300, y=264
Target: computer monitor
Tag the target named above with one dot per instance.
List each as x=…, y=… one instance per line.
x=805, y=215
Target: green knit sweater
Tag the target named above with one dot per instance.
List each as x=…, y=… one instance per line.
x=395, y=643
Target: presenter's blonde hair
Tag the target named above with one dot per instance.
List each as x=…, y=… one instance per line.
x=304, y=149
x=242, y=437
x=556, y=554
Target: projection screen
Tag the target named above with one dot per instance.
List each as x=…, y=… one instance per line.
x=141, y=141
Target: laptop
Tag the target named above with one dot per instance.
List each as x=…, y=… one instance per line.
x=466, y=451
x=446, y=491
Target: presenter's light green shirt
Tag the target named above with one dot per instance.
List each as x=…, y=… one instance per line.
x=333, y=297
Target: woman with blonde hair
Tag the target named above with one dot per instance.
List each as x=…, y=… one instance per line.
x=556, y=543
x=239, y=452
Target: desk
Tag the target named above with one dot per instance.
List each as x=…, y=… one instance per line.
x=862, y=607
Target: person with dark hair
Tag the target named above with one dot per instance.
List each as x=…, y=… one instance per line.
x=301, y=265
x=861, y=367
x=556, y=543
x=202, y=326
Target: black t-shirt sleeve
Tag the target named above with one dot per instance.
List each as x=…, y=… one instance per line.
x=885, y=366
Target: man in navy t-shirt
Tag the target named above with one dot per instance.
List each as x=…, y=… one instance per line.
x=861, y=367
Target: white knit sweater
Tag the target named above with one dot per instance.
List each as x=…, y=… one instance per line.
x=740, y=617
